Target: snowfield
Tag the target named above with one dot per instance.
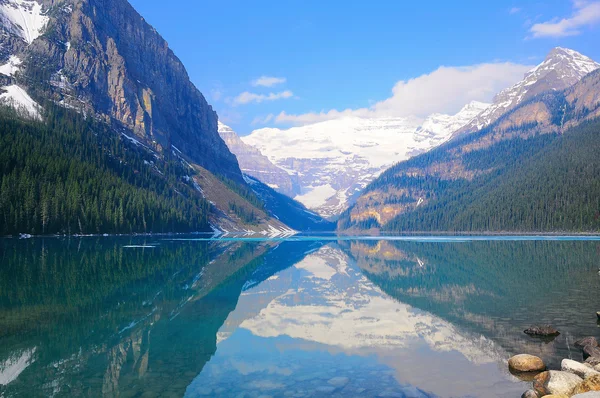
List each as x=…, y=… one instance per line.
x=19, y=99
x=23, y=18
x=336, y=159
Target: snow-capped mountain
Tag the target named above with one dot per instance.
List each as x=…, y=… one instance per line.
x=334, y=160
x=255, y=164
x=561, y=69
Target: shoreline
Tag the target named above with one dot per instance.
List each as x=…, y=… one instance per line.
x=332, y=235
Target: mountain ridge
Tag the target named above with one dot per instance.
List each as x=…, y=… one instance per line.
x=101, y=60
x=334, y=160
x=562, y=68
x=446, y=176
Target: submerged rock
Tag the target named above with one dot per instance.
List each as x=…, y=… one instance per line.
x=530, y=394
x=577, y=368
x=591, y=383
x=526, y=363
x=586, y=341
x=546, y=331
x=591, y=351
x=556, y=382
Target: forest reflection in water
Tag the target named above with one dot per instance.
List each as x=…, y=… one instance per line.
x=301, y=317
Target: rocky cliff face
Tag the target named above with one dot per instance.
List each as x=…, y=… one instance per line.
x=255, y=164
x=102, y=58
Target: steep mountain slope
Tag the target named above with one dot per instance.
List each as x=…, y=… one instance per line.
x=255, y=164
x=335, y=160
x=561, y=69
x=101, y=58
x=287, y=210
x=76, y=176
x=531, y=170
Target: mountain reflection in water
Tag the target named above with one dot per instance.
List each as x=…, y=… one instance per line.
x=132, y=316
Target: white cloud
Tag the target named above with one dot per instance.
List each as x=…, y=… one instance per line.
x=262, y=120
x=247, y=97
x=585, y=13
x=445, y=90
x=268, y=81
x=216, y=94
x=514, y=10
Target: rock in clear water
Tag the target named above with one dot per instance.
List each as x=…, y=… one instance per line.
x=593, y=361
x=547, y=331
x=530, y=394
x=577, y=368
x=587, y=341
x=591, y=351
x=526, y=363
x=556, y=382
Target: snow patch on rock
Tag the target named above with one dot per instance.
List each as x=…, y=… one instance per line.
x=23, y=18
x=11, y=67
x=18, y=98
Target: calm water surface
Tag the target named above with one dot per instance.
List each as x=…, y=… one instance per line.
x=411, y=317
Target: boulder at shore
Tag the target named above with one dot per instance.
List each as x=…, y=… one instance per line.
x=591, y=351
x=542, y=331
x=592, y=383
x=577, y=368
x=556, y=382
x=526, y=363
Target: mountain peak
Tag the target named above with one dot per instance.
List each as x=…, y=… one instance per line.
x=474, y=106
x=569, y=64
x=561, y=69
x=223, y=128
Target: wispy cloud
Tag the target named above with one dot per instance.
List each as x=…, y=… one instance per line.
x=444, y=90
x=247, y=97
x=268, y=81
x=585, y=13
x=262, y=120
x=514, y=10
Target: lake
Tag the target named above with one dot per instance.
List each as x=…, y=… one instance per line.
x=305, y=316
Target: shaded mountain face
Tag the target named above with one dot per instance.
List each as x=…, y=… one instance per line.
x=255, y=164
x=67, y=62
x=561, y=69
x=101, y=58
x=542, y=150
x=335, y=160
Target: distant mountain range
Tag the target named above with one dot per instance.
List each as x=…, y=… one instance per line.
x=533, y=169
x=332, y=161
x=107, y=135
x=561, y=69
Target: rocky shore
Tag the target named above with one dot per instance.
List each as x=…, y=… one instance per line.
x=573, y=380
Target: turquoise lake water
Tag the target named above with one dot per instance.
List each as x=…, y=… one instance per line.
x=299, y=317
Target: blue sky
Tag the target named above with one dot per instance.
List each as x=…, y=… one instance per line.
x=351, y=55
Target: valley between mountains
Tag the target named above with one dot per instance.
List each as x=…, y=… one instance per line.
x=106, y=135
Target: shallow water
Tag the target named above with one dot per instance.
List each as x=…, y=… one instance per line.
x=305, y=316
